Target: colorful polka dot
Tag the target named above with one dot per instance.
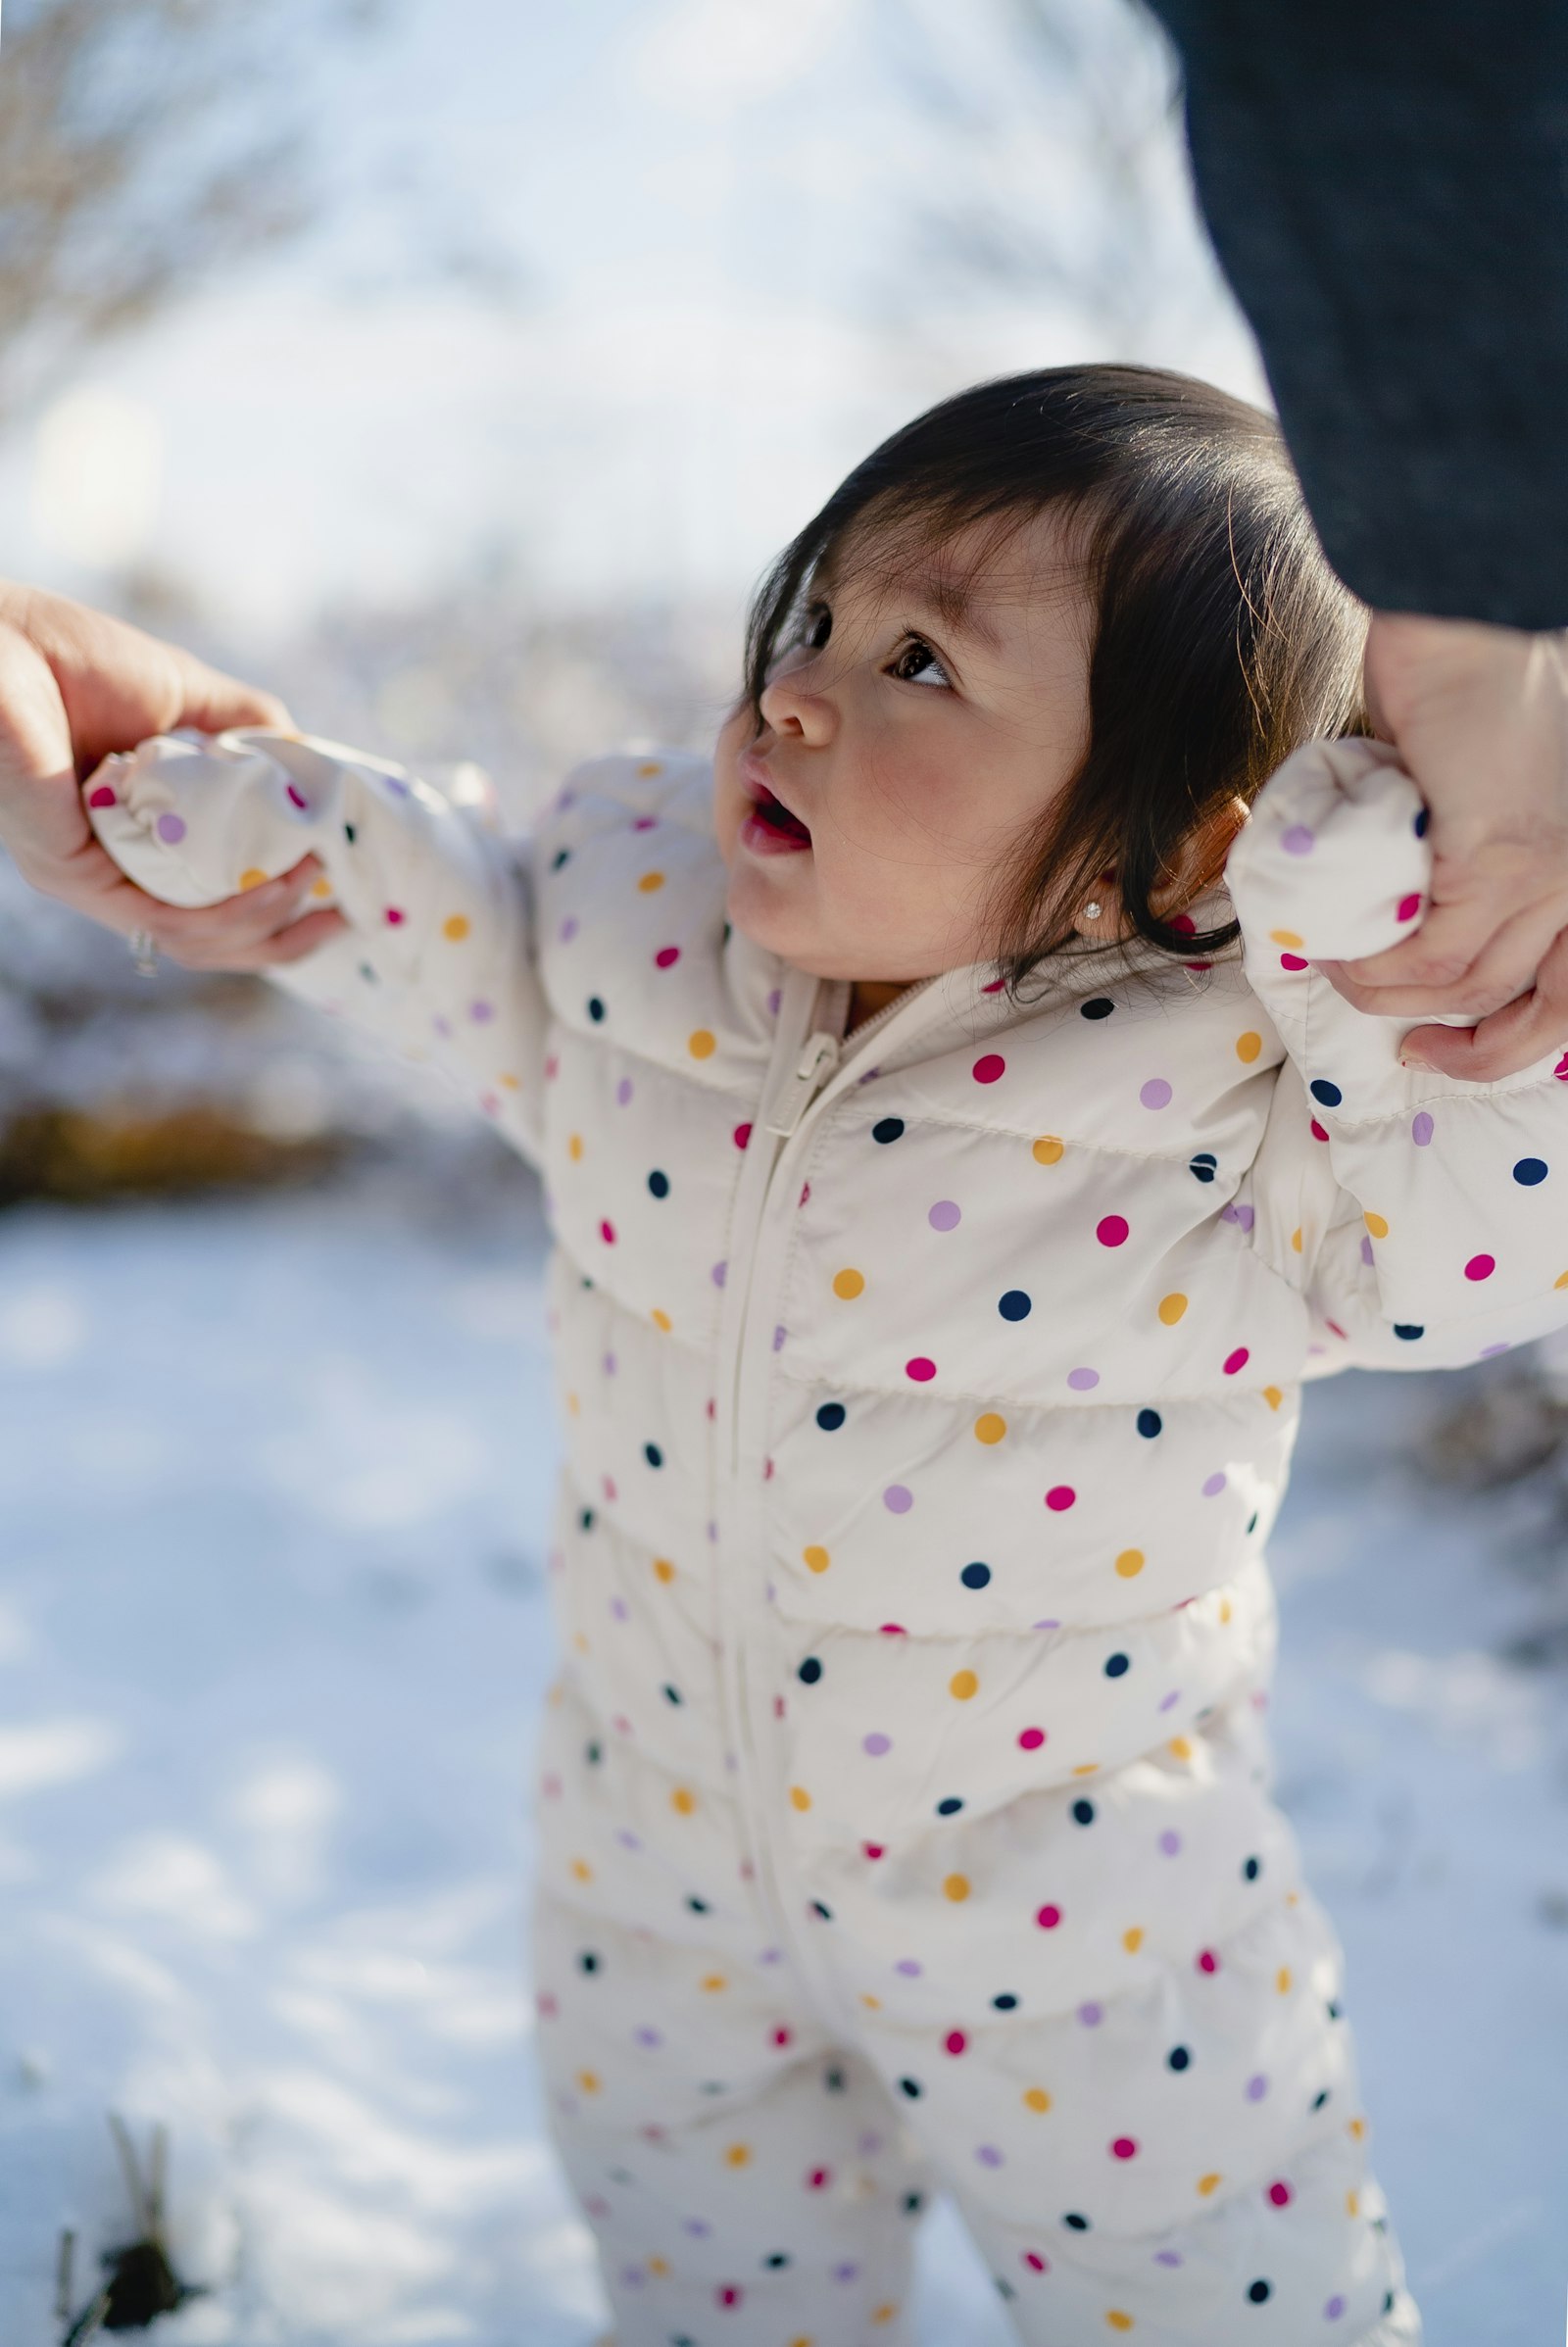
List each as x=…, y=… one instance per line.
x=1060, y=1497
x=702, y=1043
x=849, y=1283
x=898, y=1499
x=1083, y=1381
x=456, y=926
x=1530, y=1170
x=1249, y=1045
x=1481, y=1267
x=989, y=1427
x=1047, y=1150
x=1155, y=1094
x=817, y=1559
x=1130, y=1562
x=1111, y=1230
x=1171, y=1308
x=963, y=1684
x=253, y=877
x=921, y=1369
x=1421, y=1128
x=989, y=1067
x=945, y=1216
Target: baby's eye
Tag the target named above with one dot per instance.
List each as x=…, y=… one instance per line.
x=817, y=628
x=917, y=664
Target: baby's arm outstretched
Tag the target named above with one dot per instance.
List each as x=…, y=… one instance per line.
x=1422, y=1216
x=437, y=957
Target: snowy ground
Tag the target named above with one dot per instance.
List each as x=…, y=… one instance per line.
x=272, y=1480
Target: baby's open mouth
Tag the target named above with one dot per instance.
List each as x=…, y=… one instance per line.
x=769, y=826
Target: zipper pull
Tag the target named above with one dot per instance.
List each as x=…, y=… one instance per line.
x=817, y=1063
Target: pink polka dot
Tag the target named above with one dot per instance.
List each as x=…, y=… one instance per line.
x=1184, y=924
x=1059, y=1496
x=898, y=1499
x=954, y=2042
x=667, y=957
x=1291, y=961
x=1124, y=2149
x=1408, y=908
x=1319, y=1133
x=1206, y=1960
x=1560, y=1071
x=989, y=1067
x=1481, y=1267
x=172, y=828
x=873, y=1849
x=945, y=1216
x=921, y=1369
x=1030, y=1740
x=995, y=986
x=1155, y=1094
x=893, y=1630
x=1111, y=1230
x=817, y=2179
x=1235, y=1361
x=1048, y=1917
x=607, y=1232
x=102, y=796
x=395, y=917
x=1280, y=2193
x=1035, y=2262
x=741, y=1135
x=645, y=823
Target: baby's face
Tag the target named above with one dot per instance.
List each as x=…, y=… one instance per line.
x=902, y=758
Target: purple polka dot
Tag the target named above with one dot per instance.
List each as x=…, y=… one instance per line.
x=568, y=928
x=627, y=1839
x=1165, y=1701
x=1083, y=1381
x=481, y=1014
x=988, y=2154
x=1170, y=1842
x=778, y=1339
x=845, y=2272
x=1257, y=2088
x=647, y=2036
x=442, y=1026
x=1421, y=1128
x=633, y=2276
x=1334, y=2308
x=771, y=1956
x=699, y=2228
x=1366, y=1247
x=1052, y=1625
x=898, y=1499
x=716, y=1274
x=609, y=1365
x=1213, y=1484
x=1486, y=1351
x=944, y=1215
x=172, y=828
x=620, y=1608
x=1090, y=2015
x=1155, y=1094
x=1167, y=2257
x=1297, y=840
x=623, y=1092
x=876, y=1744
x=1244, y=1217
x=773, y=1002
x=870, y=2144
x=911, y=1967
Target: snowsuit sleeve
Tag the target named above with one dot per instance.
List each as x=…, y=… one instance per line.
x=1421, y=1216
x=438, y=956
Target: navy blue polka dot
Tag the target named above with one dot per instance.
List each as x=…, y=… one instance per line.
x=558, y=858
x=1178, y=2058
x=1408, y=1330
x=975, y=1577
x=653, y=1454
x=1320, y=2098
x=809, y=1671
x=672, y=1694
x=911, y=2087
x=950, y=1807
x=698, y=1906
x=830, y=1417
x=1202, y=1165
x=1084, y=1812
x=1149, y=1423
x=1530, y=1171
x=1005, y=2002
x=1252, y=1868
x=1328, y=1094
x=1257, y=2291
x=588, y=1961
x=824, y=1913
x=1419, y=826
x=1015, y=1305
x=888, y=1128
x=659, y=1182
x=1101, y=1007
x=596, y=1008
x=1079, y=2225
x=1117, y=1664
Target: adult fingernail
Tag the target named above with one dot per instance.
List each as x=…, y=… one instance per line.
x=1414, y=1059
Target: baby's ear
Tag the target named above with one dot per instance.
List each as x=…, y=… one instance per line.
x=1201, y=859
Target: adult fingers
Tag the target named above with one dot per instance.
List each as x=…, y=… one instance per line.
x=209, y=934
x=1505, y=966
x=1523, y=1030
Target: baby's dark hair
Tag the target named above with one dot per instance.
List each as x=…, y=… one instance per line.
x=1220, y=637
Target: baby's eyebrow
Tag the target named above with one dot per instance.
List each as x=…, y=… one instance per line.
x=928, y=589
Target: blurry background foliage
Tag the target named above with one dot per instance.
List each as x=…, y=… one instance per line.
x=455, y=366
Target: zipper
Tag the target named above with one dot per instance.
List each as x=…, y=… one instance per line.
x=821, y=1057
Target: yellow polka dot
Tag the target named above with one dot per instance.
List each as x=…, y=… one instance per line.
x=1273, y=1397
x=1376, y=1224
x=659, y=2265
x=802, y=2341
x=1291, y=1897
x=989, y=1427
x=817, y=1558
x=661, y=1320
x=849, y=1283
x=511, y=1083
x=456, y=926
x=654, y=766
x=254, y=877
x=714, y=1981
x=963, y=1684
x=683, y=1799
x=580, y=1640
x=1171, y=1309
x=799, y=1798
x=1035, y=2098
x=1046, y=1149
x=1179, y=1748
x=1356, y=2128
x=650, y=881
x=1132, y=1940
x=1118, y=2319
x=1224, y=1609
x=582, y=1872
x=1086, y=1768
x=588, y=2080
x=1130, y=1561
x=320, y=886
x=957, y=1888
x=663, y=1568
x=574, y=1405
x=738, y=2154
x=1249, y=1045
x=1561, y=1280
x=873, y=2004
x=1285, y=937
x=1353, y=2204
x=702, y=1043
x=1207, y=2184
x=883, y=2314
x=1282, y=1979
x=574, y=1147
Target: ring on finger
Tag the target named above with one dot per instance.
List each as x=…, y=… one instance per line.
x=143, y=949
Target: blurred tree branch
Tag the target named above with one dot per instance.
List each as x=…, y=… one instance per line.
x=143, y=144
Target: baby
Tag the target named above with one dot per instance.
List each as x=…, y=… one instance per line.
x=949, y=1201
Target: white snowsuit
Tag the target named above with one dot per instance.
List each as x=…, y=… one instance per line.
x=928, y=1398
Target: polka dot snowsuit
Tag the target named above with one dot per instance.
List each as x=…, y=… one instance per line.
x=928, y=1397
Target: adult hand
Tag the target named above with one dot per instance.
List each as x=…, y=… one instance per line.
x=1480, y=718
x=76, y=685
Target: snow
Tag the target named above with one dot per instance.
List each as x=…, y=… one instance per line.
x=273, y=1477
